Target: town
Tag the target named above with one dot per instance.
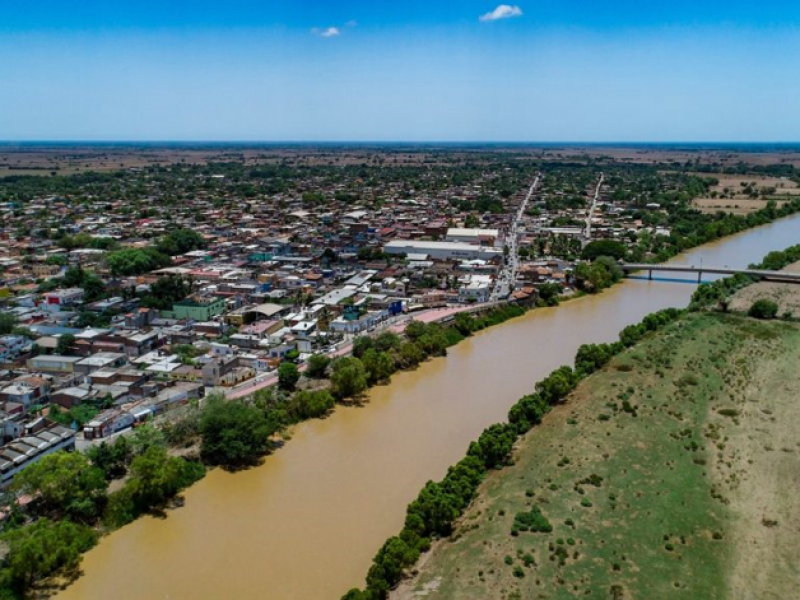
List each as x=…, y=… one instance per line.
x=131, y=293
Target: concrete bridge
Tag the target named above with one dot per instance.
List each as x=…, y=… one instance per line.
x=783, y=276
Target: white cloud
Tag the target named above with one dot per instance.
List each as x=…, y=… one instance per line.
x=504, y=11
x=327, y=32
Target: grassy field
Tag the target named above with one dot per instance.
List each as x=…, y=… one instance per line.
x=670, y=474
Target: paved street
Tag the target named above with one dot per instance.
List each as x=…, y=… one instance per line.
x=587, y=232
x=505, y=282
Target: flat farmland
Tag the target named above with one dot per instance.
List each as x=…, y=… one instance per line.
x=734, y=193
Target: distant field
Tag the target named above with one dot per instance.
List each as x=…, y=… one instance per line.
x=668, y=475
x=739, y=206
x=731, y=195
x=67, y=159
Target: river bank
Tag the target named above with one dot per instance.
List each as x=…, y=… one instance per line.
x=660, y=477
x=368, y=462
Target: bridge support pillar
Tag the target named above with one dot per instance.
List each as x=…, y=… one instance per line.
x=699, y=277
x=650, y=275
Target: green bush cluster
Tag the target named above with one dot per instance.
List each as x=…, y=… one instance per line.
x=763, y=309
x=532, y=520
x=598, y=275
x=135, y=261
x=234, y=434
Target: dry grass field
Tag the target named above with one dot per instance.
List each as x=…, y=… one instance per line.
x=732, y=193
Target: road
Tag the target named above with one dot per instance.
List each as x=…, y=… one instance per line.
x=587, y=232
x=508, y=275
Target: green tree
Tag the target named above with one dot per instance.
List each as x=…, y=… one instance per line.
x=180, y=241
x=555, y=387
x=388, y=340
x=494, y=445
x=65, y=343
x=145, y=437
x=465, y=323
x=379, y=365
x=135, y=261
x=361, y=344
x=389, y=564
x=73, y=277
x=44, y=548
x=415, y=330
x=598, y=248
x=318, y=366
x=411, y=354
x=348, y=377
x=156, y=477
x=112, y=459
x=234, y=434
x=288, y=376
x=93, y=287
x=67, y=484
x=167, y=291
x=8, y=321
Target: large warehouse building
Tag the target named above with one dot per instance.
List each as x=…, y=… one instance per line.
x=482, y=237
x=442, y=250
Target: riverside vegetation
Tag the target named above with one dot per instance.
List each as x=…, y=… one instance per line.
x=73, y=504
x=661, y=476
x=439, y=505
x=437, y=511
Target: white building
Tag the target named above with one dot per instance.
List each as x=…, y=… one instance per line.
x=481, y=237
x=442, y=250
x=476, y=288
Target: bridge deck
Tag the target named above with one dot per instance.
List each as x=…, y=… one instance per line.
x=760, y=273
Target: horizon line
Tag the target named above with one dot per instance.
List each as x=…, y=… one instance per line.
x=401, y=141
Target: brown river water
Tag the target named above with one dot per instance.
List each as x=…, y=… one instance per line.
x=306, y=524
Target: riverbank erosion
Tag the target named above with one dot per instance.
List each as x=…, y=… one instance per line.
x=661, y=476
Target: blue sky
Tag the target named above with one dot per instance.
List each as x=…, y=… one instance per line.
x=412, y=70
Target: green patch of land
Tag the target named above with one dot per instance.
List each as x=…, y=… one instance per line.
x=669, y=474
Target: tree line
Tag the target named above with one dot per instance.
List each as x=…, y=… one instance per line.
x=438, y=506
x=72, y=504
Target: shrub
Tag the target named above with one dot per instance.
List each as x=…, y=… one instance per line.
x=763, y=309
x=310, y=405
x=533, y=521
